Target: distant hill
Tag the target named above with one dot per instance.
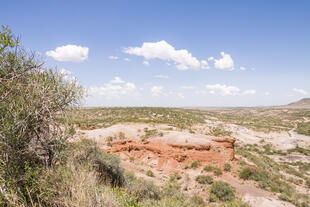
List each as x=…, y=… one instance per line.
x=303, y=103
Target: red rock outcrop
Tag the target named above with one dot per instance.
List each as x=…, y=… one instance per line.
x=169, y=157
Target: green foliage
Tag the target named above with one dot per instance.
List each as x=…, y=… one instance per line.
x=303, y=128
x=196, y=200
x=142, y=189
x=31, y=97
x=105, y=117
x=175, y=177
x=208, y=168
x=107, y=166
x=204, y=179
x=195, y=164
x=227, y=167
x=221, y=191
x=260, y=119
x=150, y=173
x=7, y=39
x=300, y=150
x=148, y=134
x=253, y=173
x=216, y=171
x=219, y=132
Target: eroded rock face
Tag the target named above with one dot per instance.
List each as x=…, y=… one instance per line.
x=171, y=154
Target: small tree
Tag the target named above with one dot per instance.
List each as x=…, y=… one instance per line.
x=32, y=98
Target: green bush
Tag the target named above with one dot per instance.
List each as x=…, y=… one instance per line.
x=32, y=98
x=107, y=166
x=221, y=191
x=253, y=173
x=227, y=167
x=150, y=173
x=142, y=189
x=217, y=171
x=219, y=131
x=204, y=179
x=195, y=164
x=208, y=168
x=303, y=128
x=175, y=177
x=196, y=200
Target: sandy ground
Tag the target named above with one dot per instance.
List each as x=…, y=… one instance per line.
x=281, y=140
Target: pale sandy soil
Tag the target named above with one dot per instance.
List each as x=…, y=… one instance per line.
x=281, y=140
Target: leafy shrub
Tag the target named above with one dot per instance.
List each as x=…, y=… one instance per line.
x=217, y=171
x=208, y=168
x=175, y=177
x=227, y=167
x=303, y=128
x=142, y=189
x=150, y=173
x=219, y=131
x=195, y=164
x=221, y=191
x=204, y=179
x=253, y=173
x=107, y=166
x=32, y=99
x=196, y=200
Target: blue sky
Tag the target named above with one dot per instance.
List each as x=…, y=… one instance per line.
x=260, y=49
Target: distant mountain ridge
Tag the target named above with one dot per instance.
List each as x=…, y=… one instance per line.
x=303, y=103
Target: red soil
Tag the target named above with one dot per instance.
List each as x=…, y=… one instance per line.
x=170, y=157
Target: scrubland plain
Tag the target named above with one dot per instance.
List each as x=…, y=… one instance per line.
x=207, y=157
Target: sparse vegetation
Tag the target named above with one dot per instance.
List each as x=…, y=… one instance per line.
x=149, y=133
x=267, y=173
x=105, y=117
x=216, y=171
x=219, y=132
x=221, y=191
x=227, y=167
x=195, y=164
x=204, y=179
x=150, y=173
x=303, y=128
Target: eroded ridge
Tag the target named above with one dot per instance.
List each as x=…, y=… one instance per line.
x=169, y=156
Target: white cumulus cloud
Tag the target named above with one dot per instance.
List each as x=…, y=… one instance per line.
x=117, y=80
x=164, y=51
x=225, y=63
x=161, y=76
x=114, y=89
x=127, y=59
x=204, y=64
x=249, y=92
x=242, y=68
x=223, y=89
x=69, y=53
x=211, y=58
x=146, y=63
x=187, y=87
x=111, y=57
x=157, y=91
x=300, y=91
